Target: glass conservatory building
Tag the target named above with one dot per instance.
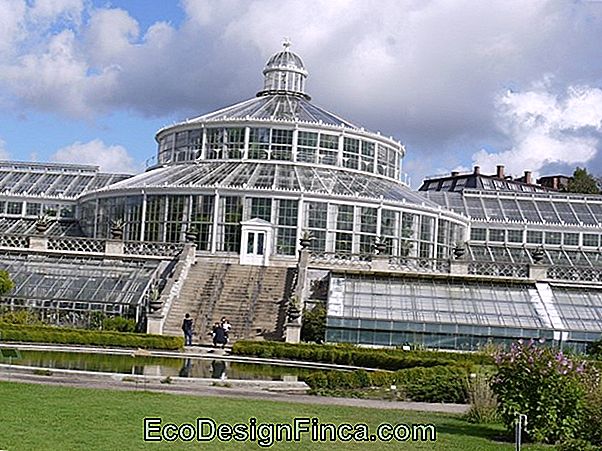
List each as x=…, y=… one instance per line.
x=469, y=259
x=285, y=164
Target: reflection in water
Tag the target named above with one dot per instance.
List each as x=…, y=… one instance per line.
x=218, y=369
x=158, y=366
x=186, y=368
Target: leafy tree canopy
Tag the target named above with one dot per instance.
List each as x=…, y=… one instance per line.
x=583, y=182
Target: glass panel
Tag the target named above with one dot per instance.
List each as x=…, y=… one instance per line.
x=260, y=243
x=478, y=234
x=250, y=243
x=591, y=239
x=515, y=236
x=571, y=239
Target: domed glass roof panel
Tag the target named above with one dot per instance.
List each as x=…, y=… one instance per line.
x=287, y=59
x=281, y=107
x=274, y=177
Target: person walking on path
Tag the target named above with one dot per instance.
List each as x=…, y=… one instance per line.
x=187, y=329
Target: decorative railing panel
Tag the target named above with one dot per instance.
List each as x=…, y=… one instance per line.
x=415, y=264
x=76, y=244
x=340, y=259
x=16, y=241
x=575, y=273
x=500, y=269
x=153, y=248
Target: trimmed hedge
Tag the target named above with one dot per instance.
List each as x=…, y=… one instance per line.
x=437, y=384
x=386, y=359
x=49, y=334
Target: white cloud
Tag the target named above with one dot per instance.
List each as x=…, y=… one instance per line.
x=426, y=72
x=547, y=128
x=12, y=18
x=51, y=10
x=110, y=35
x=110, y=158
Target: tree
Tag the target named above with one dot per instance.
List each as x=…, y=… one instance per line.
x=6, y=284
x=314, y=323
x=583, y=183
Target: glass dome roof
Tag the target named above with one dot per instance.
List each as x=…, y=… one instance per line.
x=275, y=177
x=279, y=107
x=286, y=59
x=285, y=73
x=283, y=97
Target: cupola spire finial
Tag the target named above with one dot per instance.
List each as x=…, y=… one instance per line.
x=285, y=73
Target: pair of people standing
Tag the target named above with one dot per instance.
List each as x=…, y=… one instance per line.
x=221, y=332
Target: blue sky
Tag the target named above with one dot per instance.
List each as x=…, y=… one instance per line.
x=459, y=82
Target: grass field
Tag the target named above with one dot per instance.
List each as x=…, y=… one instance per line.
x=38, y=417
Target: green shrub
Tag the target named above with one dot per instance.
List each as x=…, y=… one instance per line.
x=595, y=349
x=483, y=404
x=313, y=326
x=362, y=379
x=543, y=384
x=49, y=334
x=576, y=445
x=591, y=426
x=119, y=324
x=19, y=317
x=317, y=380
x=437, y=384
x=381, y=378
x=387, y=359
x=6, y=283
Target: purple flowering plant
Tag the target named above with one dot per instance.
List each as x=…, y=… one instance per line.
x=543, y=383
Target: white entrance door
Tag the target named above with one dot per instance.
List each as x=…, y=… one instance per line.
x=255, y=242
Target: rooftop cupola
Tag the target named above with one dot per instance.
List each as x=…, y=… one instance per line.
x=284, y=73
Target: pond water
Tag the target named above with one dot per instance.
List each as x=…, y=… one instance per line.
x=157, y=366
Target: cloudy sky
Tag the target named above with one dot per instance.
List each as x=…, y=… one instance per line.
x=458, y=82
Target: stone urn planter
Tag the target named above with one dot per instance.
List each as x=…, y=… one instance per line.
x=459, y=251
x=294, y=311
x=117, y=227
x=42, y=224
x=537, y=255
x=380, y=245
x=305, y=240
x=192, y=235
x=154, y=301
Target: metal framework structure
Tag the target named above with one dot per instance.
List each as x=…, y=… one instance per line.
x=454, y=269
x=66, y=289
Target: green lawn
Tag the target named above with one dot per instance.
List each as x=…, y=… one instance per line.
x=38, y=417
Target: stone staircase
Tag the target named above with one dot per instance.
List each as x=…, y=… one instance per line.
x=201, y=280
x=251, y=297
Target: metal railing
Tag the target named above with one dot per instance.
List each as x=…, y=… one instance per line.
x=90, y=245
x=341, y=259
x=152, y=248
x=417, y=264
x=575, y=273
x=70, y=244
x=503, y=269
x=14, y=241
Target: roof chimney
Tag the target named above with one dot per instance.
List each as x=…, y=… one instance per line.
x=499, y=171
x=454, y=173
x=528, y=177
x=477, y=170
